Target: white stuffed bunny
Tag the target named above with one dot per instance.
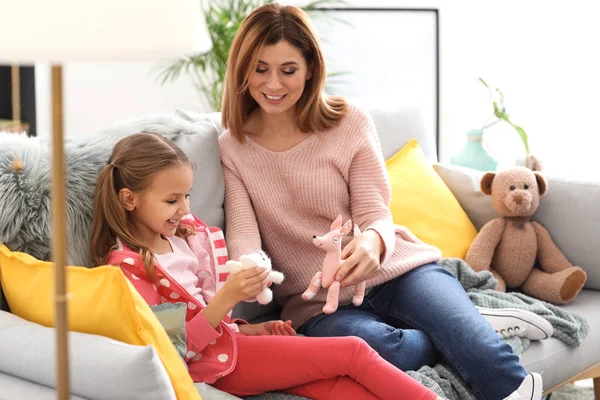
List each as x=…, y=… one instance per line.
x=257, y=260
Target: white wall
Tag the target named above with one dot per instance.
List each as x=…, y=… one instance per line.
x=544, y=57
x=96, y=95
x=542, y=54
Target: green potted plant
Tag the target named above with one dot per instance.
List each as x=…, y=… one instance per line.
x=223, y=18
x=474, y=155
x=500, y=115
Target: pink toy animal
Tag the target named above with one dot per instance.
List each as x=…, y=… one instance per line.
x=332, y=244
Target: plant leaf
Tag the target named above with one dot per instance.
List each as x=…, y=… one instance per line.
x=485, y=84
x=521, y=132
x=501, y=95
x=524, y=137
x=320, y=8
x=498, y=111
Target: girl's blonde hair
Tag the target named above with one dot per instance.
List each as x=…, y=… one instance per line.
x=267, y=25
x=134, y=160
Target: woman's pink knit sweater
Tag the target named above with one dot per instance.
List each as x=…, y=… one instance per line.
x=277, y=201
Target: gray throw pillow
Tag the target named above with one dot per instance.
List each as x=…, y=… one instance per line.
x=100, y=368
x=464, y=184
x=172, y=317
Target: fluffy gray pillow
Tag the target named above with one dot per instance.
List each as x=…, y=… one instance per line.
x=25, y=213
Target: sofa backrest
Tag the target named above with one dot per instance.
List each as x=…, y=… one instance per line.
x=398, y=122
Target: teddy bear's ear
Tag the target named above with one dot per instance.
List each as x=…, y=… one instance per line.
x=542, y=184
x=486, y=182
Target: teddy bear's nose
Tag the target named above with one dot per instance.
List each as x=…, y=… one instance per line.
x=518, y=198
x=314, y=236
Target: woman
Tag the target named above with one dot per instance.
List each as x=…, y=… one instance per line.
x=295, y=159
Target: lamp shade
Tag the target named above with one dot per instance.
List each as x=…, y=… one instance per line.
x=58, y=31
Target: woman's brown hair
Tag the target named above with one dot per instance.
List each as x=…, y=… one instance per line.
x=133, y=162
x=265, y=26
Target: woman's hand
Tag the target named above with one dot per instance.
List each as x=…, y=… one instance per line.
x=277, y=328
x=361, y=258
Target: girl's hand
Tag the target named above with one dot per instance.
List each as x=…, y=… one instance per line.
x=246, y=284
x=361, y=258
x=277, y=328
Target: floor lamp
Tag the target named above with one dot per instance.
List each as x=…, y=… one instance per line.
x=61, y=31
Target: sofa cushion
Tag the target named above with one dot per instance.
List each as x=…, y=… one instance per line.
x=17, y=388
x=134, y=372
x=569, y=210
x=25, y=195
x=211, y=393
x=398, y=123
x=424, y=204
x=102, y=302
x=464, y=184
x=546, y=355
x=194, y=116
x=202, y=146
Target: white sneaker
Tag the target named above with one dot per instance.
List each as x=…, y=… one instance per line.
x=532, y=388
x=509, y=322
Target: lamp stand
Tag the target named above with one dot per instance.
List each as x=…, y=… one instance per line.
x=59, y=237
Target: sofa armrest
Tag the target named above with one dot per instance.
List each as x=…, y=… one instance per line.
x=569, y=210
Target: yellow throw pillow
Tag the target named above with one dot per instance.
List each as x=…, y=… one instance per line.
x=422, y=202
x=103, y=302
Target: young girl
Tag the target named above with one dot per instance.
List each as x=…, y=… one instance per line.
x=142, y=223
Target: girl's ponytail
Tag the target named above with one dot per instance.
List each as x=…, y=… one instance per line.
x=110, y=223
x=107, y=215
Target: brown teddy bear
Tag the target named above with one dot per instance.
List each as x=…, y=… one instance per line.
x=509, y=246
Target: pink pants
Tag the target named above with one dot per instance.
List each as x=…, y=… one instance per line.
x=317, y=368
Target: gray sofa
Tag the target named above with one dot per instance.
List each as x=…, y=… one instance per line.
x=105, y=369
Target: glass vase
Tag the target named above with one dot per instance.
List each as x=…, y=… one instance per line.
x=474, y=155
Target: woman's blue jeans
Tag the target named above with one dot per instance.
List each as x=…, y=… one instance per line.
x=423, y=315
